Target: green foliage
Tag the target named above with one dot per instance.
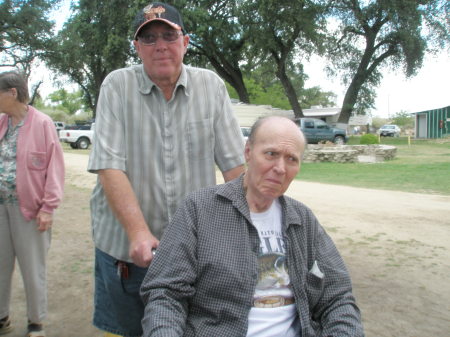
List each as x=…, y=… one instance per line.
x=254, y=40
x=403, y=119
x=39, y=103
x=275, y=95
x=94, y=42
x=263, y=41
x=25, y=32
x=369, y=138
x=59, y=115
x=69, y=102
x=378, y=122
x=67, y=107
x=278, y=29
x=81, y=118
x=56, y=114
x=218, y=40
x=315, y=96
x=377, y=34
x=264, y=73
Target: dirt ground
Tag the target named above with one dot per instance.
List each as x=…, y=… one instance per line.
x=396, y=246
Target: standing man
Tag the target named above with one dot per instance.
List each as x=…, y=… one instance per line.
x=242, y=259
x=160, y=129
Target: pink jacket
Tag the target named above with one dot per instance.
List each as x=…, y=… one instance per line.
x=40, y=164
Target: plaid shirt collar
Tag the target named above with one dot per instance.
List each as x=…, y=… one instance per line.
x=234, y=191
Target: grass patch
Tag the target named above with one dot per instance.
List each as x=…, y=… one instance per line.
x=422, y=167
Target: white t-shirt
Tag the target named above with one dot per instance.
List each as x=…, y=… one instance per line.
x=271, y=316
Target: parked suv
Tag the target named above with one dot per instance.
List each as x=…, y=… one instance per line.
x=390, y=130
x=317, y=131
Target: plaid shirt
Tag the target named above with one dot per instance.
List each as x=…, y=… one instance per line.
x=203, y=277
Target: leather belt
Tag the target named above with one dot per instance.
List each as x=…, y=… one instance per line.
x=273, y=301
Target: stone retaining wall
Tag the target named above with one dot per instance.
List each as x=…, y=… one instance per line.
x=349, y=153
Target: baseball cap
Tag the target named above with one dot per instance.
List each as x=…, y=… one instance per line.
x=158, y=11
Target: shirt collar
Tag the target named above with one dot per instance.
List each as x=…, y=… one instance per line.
x=146, y=85
x=234, y=191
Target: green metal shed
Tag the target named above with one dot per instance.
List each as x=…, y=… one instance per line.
x=433, y=123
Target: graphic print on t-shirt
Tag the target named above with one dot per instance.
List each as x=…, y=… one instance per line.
x=273, y=287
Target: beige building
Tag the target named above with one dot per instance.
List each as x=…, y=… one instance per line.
x=247, y=114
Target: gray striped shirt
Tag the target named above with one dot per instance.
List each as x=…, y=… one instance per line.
x=166, y=148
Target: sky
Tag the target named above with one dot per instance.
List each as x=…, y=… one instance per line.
x=429, y=89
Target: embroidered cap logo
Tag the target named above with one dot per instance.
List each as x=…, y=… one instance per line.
x=153, y=12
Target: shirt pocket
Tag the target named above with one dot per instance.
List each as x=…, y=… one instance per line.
x=200, y=140
x=36, y=160
x=314, y=288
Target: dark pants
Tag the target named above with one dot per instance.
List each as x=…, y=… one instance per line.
x=118, y=307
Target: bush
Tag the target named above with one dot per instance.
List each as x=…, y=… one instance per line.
x=369, y=138
x=54, y=113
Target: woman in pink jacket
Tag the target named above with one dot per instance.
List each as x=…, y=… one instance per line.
x=31, y=187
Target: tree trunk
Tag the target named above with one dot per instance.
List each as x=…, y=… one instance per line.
x=350, y=98
x=241, y=91
x=290, y=91
x=233, y=76
x=362, y=73
x=35, y=92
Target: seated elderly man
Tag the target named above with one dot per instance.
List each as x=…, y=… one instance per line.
x=242, y=259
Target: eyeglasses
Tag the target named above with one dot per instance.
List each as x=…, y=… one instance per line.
x=150, y=39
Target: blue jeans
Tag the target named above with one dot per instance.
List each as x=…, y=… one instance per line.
x=118, y=307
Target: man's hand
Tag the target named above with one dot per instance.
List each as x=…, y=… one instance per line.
x=44, y=221
x=141, y=245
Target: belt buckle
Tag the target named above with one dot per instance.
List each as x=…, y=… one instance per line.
x=272, y=301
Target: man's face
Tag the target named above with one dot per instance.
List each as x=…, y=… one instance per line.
x=162, y=61
x=273, y=159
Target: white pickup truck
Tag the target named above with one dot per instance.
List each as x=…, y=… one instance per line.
x=78, y=138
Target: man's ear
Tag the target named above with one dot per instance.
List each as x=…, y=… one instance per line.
x=136, y=46
x=247, y=150
x=186, y=39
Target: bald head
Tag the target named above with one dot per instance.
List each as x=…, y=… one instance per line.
x=277, y=124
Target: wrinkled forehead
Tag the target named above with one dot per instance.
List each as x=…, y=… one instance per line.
x=283, y=144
